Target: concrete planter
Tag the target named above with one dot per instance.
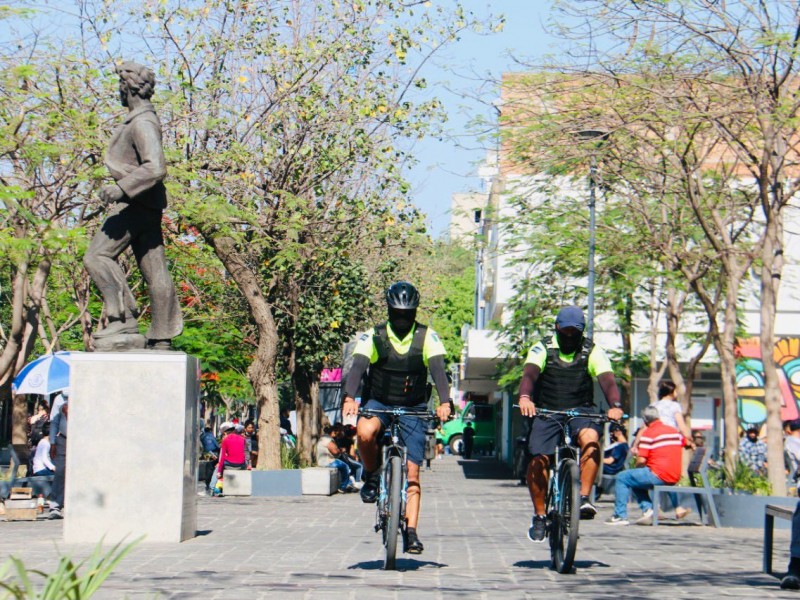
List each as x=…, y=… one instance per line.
x=746, y=510
x=284, y=482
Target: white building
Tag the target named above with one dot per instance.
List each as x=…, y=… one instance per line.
x=495, y=278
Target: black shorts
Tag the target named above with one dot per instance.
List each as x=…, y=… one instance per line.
x=547, y=432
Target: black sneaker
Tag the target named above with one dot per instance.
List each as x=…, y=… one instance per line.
x=588, y=510
x=371, y=487
x=790, y=582
x=538, y=529
x=413, y=545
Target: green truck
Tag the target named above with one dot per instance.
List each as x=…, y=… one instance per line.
x=484, y=420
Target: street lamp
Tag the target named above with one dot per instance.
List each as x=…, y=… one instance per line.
x=600, y=137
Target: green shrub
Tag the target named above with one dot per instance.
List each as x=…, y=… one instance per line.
x=290, y=457
x=66, y=582
x=742, y=479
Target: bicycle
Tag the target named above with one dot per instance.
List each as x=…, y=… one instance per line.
x=563, y=499
x=391, y=505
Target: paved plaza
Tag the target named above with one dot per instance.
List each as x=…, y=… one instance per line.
x=473, y=526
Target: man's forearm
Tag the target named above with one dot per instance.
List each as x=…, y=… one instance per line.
x=439, y=375
x=609, y=386
x=357, y=370
x=529, y=375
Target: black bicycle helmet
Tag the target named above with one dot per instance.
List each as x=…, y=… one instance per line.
x=402, y=295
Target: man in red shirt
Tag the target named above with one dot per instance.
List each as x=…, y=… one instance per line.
x=658, y=463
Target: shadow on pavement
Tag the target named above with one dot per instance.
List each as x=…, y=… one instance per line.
x=545, y=564
x=485, y=468
x=402, y=564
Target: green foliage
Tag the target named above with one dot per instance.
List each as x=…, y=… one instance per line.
x=290, y=458
x=444, y=272
x=70, y=581
x=742, y=479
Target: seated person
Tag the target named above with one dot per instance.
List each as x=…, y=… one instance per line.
x=615, y=454
x=439, y=441
x=791, y=448
x=346, y=441
x=209, y=442
x=658, y=463
x=329, y=455
x=231, y=453
x=42, y=465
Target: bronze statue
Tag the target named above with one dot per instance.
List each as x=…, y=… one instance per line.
x=135, y=159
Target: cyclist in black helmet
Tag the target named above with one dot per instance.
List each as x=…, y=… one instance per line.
x=398, y=354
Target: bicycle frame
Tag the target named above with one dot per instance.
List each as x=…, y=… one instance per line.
x=390, y=514
x=564, y=450
x=394, y=447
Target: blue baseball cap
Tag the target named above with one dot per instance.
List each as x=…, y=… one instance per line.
x=571, y=316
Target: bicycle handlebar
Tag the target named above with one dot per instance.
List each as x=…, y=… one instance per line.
x=398, y=411
x=573, y=413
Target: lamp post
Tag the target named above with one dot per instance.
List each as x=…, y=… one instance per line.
x=600, y=136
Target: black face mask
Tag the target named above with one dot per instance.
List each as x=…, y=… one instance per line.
x=402, y=321
x=569, y=344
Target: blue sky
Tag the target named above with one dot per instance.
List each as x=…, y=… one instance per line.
x=443, y=166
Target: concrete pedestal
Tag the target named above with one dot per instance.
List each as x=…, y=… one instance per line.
x=132, y=447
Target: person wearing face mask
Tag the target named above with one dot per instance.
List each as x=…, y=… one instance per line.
x=396, y=356
x=558, y=375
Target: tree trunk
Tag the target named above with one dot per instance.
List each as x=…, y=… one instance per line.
x=771, y=267
x=21, y=339
x=624, y=319
x=262, y=371
x=656, y=371
x=674, y=307
x=309, y=414
x=316, y=410
x=8, y=359
x=727, y=367
x=304, y=406
x=262, y=377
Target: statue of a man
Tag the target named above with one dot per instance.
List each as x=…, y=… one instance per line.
x=135, y=159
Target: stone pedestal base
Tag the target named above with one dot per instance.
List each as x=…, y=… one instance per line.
x=132, y=447
x=122, y=341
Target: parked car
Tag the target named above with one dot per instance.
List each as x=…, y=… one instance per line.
x=483, y=418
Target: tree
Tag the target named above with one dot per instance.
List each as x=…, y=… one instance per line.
x=52, y=120
x=743, y=59
x=285, y=119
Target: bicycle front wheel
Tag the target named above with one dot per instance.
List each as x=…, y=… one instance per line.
x=566, y=517
x=394, y=482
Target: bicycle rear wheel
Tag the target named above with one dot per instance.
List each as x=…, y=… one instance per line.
x=566, y=517
x=393, y=474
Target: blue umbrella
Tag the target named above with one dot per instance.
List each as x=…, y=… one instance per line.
x=45, y=375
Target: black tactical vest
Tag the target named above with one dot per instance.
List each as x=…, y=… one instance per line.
x=563, y=385
x=398, y=379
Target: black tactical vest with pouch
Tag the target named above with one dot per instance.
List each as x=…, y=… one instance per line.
x=398, y=379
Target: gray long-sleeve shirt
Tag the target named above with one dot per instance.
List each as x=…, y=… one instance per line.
x=58, y=424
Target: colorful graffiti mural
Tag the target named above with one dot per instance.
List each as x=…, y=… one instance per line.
x=750, y=379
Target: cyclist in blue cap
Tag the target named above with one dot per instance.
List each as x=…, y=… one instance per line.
x=558, y=375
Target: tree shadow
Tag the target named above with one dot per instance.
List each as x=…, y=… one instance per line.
x=401, y=564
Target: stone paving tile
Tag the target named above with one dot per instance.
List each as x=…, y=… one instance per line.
x=473, y=526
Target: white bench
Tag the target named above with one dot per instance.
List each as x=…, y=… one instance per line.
x=320, y=481
x=237, y=483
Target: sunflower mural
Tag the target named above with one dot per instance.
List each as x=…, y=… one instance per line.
x=750, y=379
